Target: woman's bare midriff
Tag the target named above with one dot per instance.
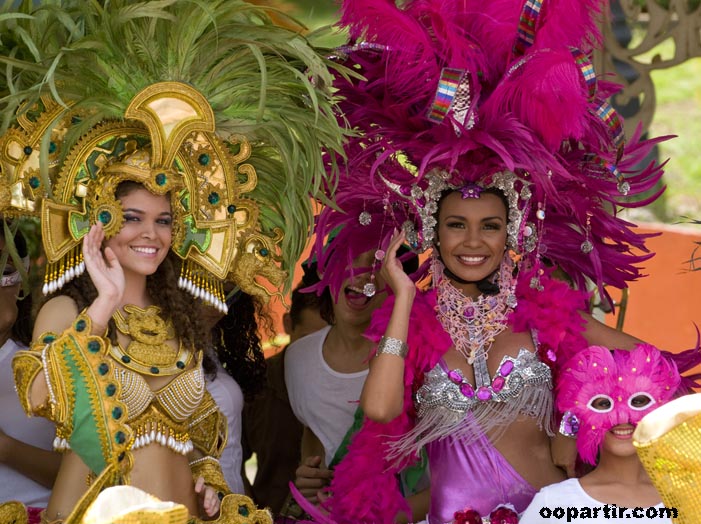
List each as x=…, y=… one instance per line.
x=157, y=470
x=523, y=444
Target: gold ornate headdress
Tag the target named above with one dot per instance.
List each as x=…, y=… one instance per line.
x=212, y=105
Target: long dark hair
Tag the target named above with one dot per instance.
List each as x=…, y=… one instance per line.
x=237, y=344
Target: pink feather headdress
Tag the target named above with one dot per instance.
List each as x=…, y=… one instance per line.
x=454, y=91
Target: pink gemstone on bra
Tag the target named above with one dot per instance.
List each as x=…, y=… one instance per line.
x=506, y=368
x=454, y=377
x=498, y=384
x=470, y=312
x=467, y=390
x=483, y=393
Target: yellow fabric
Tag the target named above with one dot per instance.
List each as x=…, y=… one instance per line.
x=13, y=512
x=668, y=442
x=113, y=505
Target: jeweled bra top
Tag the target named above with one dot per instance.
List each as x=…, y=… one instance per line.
x=161, y=416
x=447, y=389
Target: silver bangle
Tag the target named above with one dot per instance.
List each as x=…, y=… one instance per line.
x=392, y=346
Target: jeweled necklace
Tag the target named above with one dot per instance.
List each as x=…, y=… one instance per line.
x=474, y=324
x=148, y=352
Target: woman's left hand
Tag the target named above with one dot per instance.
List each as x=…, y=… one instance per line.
x=208, y=497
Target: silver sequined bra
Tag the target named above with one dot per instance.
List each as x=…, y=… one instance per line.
x=448, y=389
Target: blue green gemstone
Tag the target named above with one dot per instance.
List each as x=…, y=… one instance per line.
x=105, y=217
x=28, y=150
x=93, y=346
x=180, y=364
x=161, y=179
x=264, y=252
x=80, y=325
x=126, y=359
x=111, y=389
x=52, y=147
x=213, y=198
x=243, y=511
x=231, y=209
x=34, y=182
x=103, y=369
x=120, y=437
x=121, y=456
x=155, y=370
x=48, y=339
x=203, y=159
x=117, y=413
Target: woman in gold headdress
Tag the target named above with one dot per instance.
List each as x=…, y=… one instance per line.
x=166, y=149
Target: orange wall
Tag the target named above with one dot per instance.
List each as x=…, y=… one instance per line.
x=663, y=306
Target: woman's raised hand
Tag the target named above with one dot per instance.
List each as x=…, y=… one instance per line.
x=104, y=269
x=392, y=271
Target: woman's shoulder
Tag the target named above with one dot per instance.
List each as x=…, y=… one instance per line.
x=55, y=315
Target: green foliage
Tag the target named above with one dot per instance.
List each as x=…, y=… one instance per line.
x=678, y=112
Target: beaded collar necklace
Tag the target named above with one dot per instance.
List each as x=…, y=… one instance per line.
x=473, y=324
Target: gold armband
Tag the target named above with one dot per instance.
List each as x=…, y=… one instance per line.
x=210, y=469
x=26, y=365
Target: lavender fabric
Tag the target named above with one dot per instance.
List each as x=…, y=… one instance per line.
x=473, y=476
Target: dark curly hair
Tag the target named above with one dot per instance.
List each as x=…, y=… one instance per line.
x=237, y=344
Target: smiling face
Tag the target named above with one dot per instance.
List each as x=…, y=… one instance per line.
x=472, y=235
x=144, y=240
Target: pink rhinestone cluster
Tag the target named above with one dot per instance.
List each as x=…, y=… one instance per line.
x=483, y=393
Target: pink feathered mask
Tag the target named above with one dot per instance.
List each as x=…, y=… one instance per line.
x=604, y=389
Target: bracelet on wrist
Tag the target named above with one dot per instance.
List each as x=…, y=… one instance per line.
x=392, y=346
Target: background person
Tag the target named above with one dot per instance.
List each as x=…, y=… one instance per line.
x=239, y=374
x=28, y=464
x=271, y=430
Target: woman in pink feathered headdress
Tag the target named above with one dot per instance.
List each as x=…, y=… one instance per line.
x=605, y=395
x=484, y=136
